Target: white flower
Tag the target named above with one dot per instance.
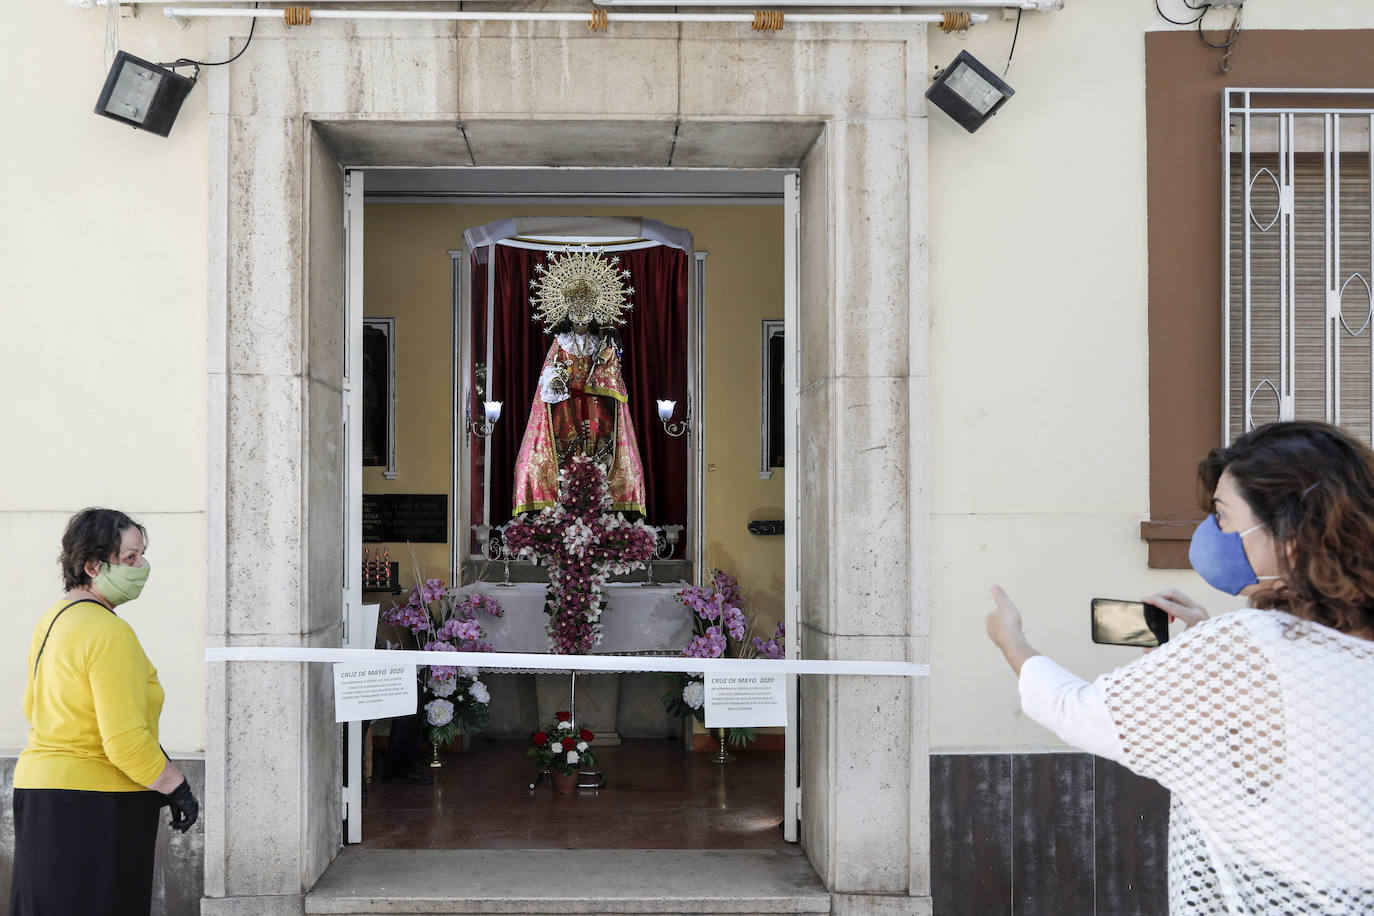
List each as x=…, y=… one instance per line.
x=478, y=691
x=581, y=745
x=467, y=672
x=442, y=688
x=573, y=757
x=577, y=537
x=694, y=694
x=439, y=712
x=565, y=725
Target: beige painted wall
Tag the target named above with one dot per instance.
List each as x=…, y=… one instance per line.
x=1037, y=251
x=103, y=290
x=407, y=275
x=1039, y=432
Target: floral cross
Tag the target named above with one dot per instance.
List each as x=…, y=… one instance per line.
x=583, y=544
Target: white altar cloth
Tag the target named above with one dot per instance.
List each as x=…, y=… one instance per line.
x=638, y=618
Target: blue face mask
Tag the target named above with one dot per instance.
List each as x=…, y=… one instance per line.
x=1219, y=557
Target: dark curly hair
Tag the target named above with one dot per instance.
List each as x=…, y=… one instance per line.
x=1312, y=485
x=92, y=534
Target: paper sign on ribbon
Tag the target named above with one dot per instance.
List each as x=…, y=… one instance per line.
x=372, y=691
x=745, y=700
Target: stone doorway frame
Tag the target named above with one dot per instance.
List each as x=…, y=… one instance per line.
x=825, y=100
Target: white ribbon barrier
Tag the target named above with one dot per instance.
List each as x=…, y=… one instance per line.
x=542, y=662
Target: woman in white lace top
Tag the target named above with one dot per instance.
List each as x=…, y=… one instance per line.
x=1258, y=721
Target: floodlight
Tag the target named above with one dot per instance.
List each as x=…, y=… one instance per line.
x=142, y=94
x=969, y=92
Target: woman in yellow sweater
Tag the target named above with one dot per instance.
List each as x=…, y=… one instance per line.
x=90, y=782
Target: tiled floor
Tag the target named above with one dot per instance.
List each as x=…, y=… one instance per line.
x=656, y=797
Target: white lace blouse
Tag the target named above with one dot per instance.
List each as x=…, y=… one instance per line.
x=1262, y=727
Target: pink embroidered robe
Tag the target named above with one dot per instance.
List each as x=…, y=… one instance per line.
x=580, y=407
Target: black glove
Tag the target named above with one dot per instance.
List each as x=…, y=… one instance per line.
x=185, y=808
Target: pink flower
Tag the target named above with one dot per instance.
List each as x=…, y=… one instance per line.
x=432, y=590
x=712, y=645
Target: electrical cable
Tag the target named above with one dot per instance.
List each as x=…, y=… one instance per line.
x=1202, y=11
x=1235, y=31
x=187, y=62
x=1014, y=34
x=111, y=33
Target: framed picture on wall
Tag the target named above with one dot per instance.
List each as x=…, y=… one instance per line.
x=379, y=395
x=772, y=438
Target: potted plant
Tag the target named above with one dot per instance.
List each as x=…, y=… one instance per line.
x=563, y=749
x=720, y=628
x=454, y=699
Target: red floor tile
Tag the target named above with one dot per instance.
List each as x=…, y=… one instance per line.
x=657, y=796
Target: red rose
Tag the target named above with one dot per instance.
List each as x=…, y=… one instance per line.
x=562, y=716
x=585, y=735
x=541, y=737
x=569, y=744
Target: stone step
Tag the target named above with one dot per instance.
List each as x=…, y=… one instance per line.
x=562, y=882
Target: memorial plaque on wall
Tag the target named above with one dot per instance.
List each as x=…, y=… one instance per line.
x=420, y=518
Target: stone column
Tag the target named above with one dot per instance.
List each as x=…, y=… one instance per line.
x=864, y=552
x=273, y=802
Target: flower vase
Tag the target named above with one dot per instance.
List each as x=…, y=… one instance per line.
x=563, y=783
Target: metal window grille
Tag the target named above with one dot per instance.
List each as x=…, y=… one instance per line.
x=1298, y=334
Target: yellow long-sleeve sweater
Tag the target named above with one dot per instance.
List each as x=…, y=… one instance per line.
x=92, y=708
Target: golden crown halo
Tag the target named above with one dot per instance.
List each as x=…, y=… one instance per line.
x=581, y=286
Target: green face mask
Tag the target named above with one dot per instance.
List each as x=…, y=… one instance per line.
x=121, y=583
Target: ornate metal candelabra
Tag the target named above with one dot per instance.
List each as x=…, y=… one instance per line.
x=492, y=540
x=665, y=543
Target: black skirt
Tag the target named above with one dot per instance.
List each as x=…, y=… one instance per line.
x=82, y=853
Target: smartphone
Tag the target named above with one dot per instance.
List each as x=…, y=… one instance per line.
x=1129, y=623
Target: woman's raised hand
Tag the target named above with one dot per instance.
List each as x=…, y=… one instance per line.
x=1178, y=606
x=1004, y=622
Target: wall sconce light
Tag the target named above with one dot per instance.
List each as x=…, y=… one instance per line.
x=968, y=92
x=142, y=94
x=665, y=413
x=492, y=412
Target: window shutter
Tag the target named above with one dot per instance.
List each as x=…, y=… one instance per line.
x=1287, y=267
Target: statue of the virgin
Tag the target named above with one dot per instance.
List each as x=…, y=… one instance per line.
x=581, y=404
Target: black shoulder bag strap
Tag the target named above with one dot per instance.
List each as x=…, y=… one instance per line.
x=54, y=622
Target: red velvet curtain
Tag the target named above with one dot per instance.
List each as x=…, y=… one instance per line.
x=654, y=340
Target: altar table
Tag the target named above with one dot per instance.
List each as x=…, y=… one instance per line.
x=638, y=618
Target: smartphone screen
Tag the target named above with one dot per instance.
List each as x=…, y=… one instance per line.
x=1128, y=623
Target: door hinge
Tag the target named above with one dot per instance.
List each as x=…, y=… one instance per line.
x=798, y=813
x=345, y=802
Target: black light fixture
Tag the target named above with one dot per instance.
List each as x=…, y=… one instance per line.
x=142, y=94
x=969, y=92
